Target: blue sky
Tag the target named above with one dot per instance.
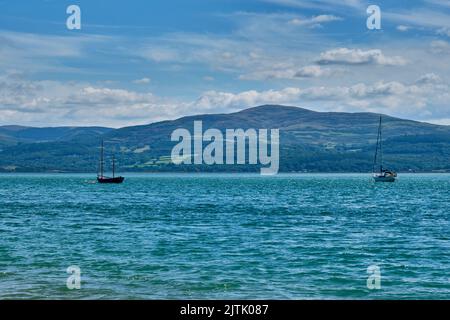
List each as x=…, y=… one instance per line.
x=137, y=62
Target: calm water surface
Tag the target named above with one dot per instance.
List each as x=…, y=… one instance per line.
x=218, y=236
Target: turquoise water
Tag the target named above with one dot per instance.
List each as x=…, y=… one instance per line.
x=221, y=236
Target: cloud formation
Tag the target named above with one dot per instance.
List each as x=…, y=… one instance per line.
x=268, y=54
x=347, y=56
x=42, y=52
x=426, y=97
x=50, y=102
x=315, y=21
x=403, y=28
x=142, y=81
x=320, y=4
x=283, y=71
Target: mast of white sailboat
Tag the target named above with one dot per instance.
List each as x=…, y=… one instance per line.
x=101, y=160
x=378, y=147
x=381, y=150
x=113, y=165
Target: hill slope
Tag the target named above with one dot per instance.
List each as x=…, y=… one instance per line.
x=12, y=135
x=309, y=140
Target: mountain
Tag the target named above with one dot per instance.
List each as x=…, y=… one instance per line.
x=309, y=141
x=12, y=135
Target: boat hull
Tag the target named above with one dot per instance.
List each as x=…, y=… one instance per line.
x=110, y=180
x=384, y=178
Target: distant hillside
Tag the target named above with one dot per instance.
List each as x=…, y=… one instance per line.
x=13, y=135
x=309, y=141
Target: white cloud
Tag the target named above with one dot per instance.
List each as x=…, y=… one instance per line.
x=440, y=47
x=442, y=121
x=257, y=47
x=283, y=71
x=256, y=43
x=70, y=103
x=443, y=3
x=210, y=100
x=160, y=54
x=403, y=28
x=38, y=52
x=325, y=18
x=347, y=56
x=314, y=21
x=142, y=81
x=312, y=72
x=444, y=31
x=40, y=45
x=427, y=98
x=320, y=4
x=423, y=17
x=58, y=103
x=429, y=78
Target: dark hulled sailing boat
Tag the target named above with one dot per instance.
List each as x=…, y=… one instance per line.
x=381, y=174
x=101, y=178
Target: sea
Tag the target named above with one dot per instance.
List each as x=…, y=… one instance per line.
x=224, y=236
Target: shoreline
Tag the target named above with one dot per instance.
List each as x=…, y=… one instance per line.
x=255, y=173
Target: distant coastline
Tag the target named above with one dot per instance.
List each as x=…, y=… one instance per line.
x=310, y=141
x=215, y=172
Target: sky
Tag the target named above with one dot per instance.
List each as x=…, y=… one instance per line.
x=137, y=62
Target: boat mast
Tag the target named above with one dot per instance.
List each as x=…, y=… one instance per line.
x=101, y=161
x=381, y=150
x=114, y=165
x=378, y=147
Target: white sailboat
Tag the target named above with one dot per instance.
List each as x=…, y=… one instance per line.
x=381, y=174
